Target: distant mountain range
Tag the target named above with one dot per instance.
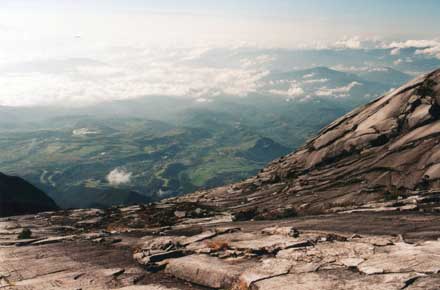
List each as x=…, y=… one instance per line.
x=406, y=60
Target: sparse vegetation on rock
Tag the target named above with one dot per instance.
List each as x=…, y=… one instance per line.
x=25, y=234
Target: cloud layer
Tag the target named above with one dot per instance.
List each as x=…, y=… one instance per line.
x=92, y=74
x=339, y=92
x=118, y=177
x=113, y=76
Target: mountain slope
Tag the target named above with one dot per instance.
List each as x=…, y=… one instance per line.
x=20, y=197
x=384, y=149
x=385, y=75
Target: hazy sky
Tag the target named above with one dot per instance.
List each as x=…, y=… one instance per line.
x=109, y=37
x=264, y=22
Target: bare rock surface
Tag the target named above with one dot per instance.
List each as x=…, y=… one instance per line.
x=64, y=253
x=205, y=270
x=425, y=283
x=146, y=287
x=384, y=250
x=403, y=257
x=332, y=280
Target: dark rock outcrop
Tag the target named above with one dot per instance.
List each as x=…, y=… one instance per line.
x=386, y=149
x=18, y=197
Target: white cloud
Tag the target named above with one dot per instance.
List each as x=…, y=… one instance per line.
x=351, y=42
x=122, y=75
x=79, y=74
x=83, y=132
x=257, y=61
x=203, y=100
x=413, y=43
x=359, y=68
x=395, y=51
x=293, y=91
x=426, y=47
x=118, y=177
x=434, y=51
x=395, y=46
x=337, y=92
x=377, y=69
x=315, y=81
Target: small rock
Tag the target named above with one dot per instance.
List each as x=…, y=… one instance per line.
x=294, y=233
x=180, y=214
x=205, y=270
x=352, y=262
x=144, y=259
x=98, y=240
x=52, y=240
x=200, y=237
x=90, y=222
x=113, y=272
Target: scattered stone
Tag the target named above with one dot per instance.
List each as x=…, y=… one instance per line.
x=76, y=277
x=17, y=243
x=226, y=230
x=146, y=287
x=180, y=214
x=351, y=262
x=52, y=240
x=144, y=259
x=90, y=222
x=294, y=233
x=266, y=244
x=93, y=236
x=200, y=237
x=136, y=223
x=113, y=272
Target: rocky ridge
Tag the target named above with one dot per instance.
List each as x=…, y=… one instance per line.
x=386, y=149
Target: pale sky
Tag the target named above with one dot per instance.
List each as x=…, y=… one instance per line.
x=275, y=23
x=132, y=41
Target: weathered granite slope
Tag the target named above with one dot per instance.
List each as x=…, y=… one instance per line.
x=385, y=149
